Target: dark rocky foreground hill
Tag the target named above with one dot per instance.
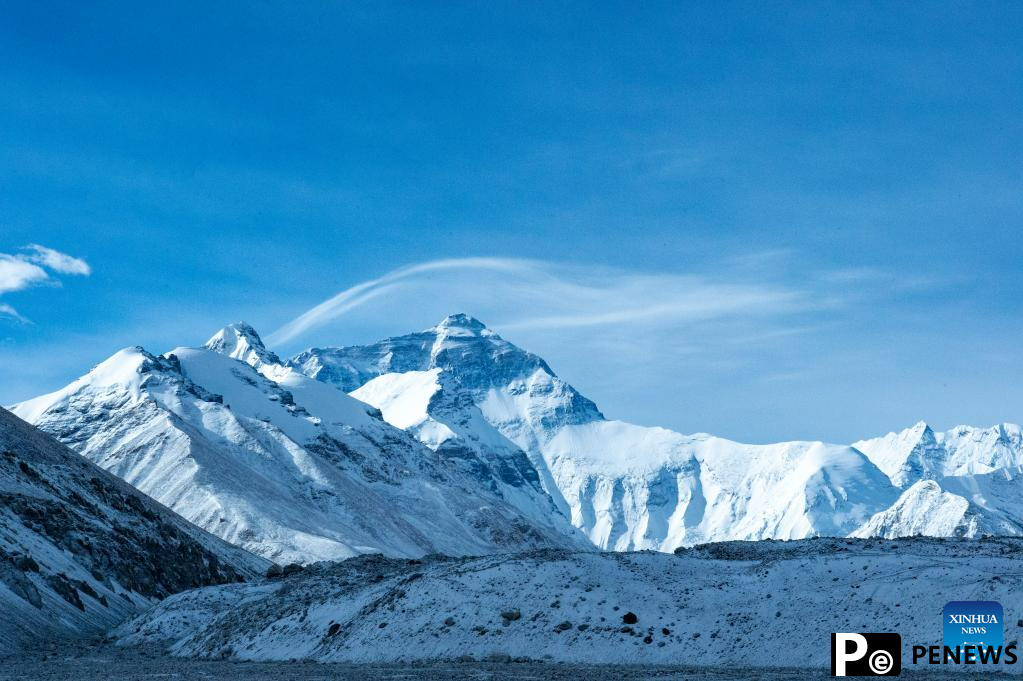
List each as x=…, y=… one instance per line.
x=80, y=550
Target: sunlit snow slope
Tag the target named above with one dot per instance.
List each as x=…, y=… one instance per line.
x=626, y=486
x=286, y=466
x=963, y=482
x=454, y=440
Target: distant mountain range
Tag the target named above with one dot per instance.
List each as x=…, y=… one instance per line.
x=453, y=440
x=631, y=487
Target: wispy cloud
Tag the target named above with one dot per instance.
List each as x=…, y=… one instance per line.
x=359, y=294
x=711, y=347
x=8, y=311
x=539, y=295
x=33, y=267
x=57, y=261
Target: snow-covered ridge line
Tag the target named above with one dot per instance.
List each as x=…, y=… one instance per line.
x=455, y=440
x=632, y=487
x=920, y=453
x=289, y=467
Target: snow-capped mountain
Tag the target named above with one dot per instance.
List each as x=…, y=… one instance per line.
x=733, y=605
x=81, y=550
x=957, y=505
x=626, y=486
x=289, y=467
x=919, y=453
x=923, y=509
x=454, y=440
x=963, y=482
x=240, y=341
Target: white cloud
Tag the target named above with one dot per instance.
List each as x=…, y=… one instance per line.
x=536, y=295
x=361, y=293
x=23, y=270
x=16, y=273
x=57, y=261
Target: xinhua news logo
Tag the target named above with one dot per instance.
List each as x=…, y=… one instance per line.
x=866, y=654
x=977, y=624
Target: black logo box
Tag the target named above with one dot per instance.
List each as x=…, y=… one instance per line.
x=883, y=643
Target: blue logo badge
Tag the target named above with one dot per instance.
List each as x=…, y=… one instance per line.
x=972, y=623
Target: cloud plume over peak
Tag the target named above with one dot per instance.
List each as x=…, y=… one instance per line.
x=540, y=295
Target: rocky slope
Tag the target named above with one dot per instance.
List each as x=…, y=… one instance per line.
x=731, y=604
x=286, y=466
x=80, y=550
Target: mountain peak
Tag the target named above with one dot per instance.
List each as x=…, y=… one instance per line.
x=232, y=334
x=461, y=323
x=922, y=430
x=240, y=341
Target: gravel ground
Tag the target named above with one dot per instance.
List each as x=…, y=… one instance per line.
x=100, y=662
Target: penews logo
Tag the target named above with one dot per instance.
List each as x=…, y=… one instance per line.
x=866, y=654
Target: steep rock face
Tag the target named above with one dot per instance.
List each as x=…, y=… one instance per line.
x=81, y=550
x=481, y=360
x=908, y=456
x=516, y=392
x=282, y=465
x=439, y=414
x=240, y=341
x=625, y=486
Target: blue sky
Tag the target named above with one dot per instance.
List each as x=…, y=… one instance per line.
x=765, y=221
